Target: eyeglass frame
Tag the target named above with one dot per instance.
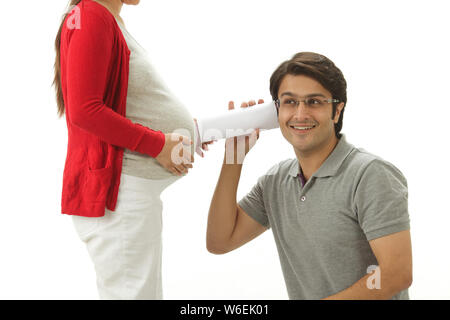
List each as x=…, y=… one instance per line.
x=277, y=102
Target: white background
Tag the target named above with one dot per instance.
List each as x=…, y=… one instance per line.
x=394, y=55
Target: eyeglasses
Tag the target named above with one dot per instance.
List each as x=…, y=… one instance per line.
x=311, y=103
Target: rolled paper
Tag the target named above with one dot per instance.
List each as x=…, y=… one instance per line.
x=237, y=122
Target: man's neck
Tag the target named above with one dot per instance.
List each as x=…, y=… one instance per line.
x=310, y=163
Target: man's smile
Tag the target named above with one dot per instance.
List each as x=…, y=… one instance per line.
x=302, y=129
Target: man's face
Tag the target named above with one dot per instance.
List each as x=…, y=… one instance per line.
x=305, y=142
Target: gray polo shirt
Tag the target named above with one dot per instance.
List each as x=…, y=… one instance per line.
x=322, y=229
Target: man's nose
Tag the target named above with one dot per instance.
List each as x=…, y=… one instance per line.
x=301, y=108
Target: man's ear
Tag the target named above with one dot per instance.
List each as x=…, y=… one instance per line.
x=339, y=108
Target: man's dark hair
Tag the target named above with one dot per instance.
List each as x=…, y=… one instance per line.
x=321, y=69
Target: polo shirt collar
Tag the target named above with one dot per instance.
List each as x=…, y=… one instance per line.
x=331, y=164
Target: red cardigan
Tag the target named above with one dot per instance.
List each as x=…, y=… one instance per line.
x=94, y=77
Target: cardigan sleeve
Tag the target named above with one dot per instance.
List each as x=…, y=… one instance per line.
x=89, y=53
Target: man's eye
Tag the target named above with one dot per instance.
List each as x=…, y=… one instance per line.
x=289, y=101
x=313, y=102
x=286, y=101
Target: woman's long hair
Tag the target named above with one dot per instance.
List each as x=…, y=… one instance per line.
x=57, y=66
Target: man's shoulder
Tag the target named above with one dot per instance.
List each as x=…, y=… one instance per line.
x=362, y=162
x=361, y=158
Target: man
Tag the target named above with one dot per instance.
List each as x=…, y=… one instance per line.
x=339, y=214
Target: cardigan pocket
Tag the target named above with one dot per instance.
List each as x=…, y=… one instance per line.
x=97, y=184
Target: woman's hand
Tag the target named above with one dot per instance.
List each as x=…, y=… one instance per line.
x=175, y=156
x=233, y=153
x=204, y=146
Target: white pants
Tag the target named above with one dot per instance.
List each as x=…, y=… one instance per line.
x=126, y=245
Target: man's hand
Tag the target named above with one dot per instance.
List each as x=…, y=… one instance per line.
x=237, y=148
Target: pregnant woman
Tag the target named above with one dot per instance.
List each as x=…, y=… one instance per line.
x=129, y=138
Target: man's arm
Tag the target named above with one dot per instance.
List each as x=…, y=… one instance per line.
x=394, y=256
x=229, y=227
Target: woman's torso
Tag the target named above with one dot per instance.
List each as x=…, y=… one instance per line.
x=152, y=104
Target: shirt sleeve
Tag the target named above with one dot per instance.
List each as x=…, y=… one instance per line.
x=89, y=54
x=253, y=204
x=381, y=200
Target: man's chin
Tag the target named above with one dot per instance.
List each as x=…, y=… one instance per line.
x=303, y=146
x=300, y=143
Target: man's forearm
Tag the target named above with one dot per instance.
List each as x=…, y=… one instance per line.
x=223, y=210
x=389, y=286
